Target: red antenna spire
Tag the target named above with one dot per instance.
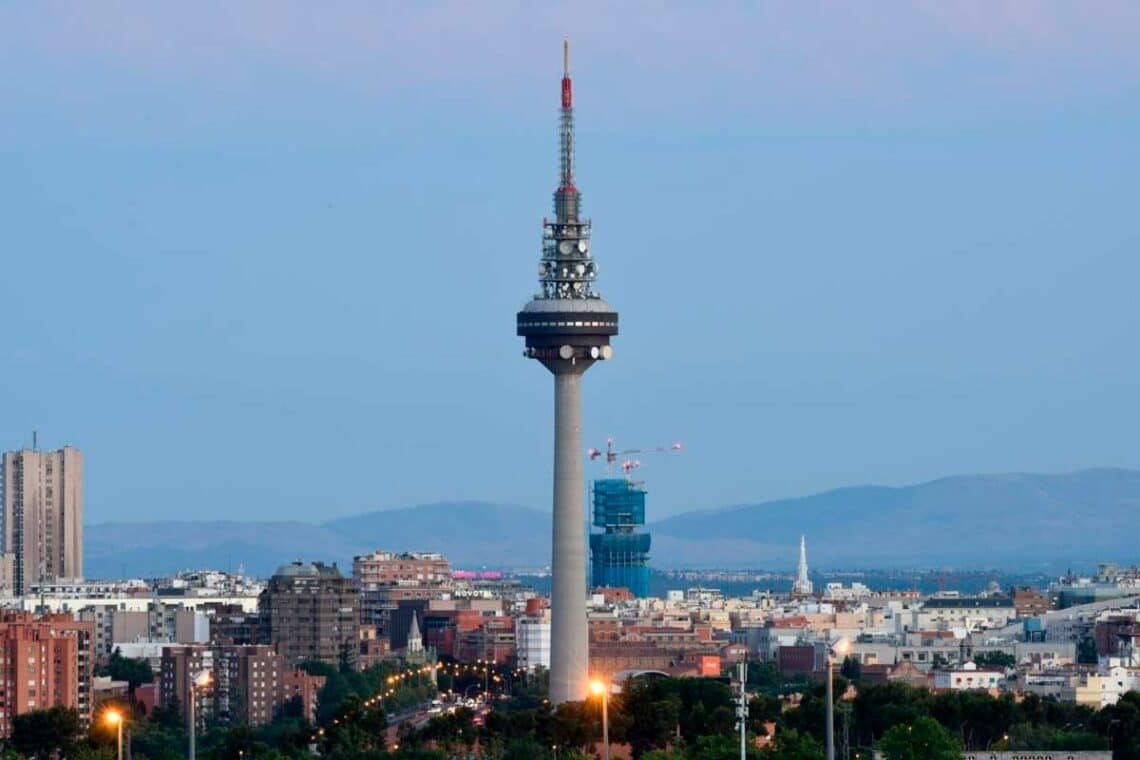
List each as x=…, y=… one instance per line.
x=568, y=210
x=567, y=93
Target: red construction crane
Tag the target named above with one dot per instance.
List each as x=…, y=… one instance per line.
x=611, y=454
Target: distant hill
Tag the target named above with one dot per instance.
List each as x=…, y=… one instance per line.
x=972, y=520
x=470, y=533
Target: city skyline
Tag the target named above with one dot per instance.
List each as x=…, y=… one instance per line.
x=913, y=251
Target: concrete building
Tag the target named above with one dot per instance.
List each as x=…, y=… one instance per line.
x=567, y=327
x=159, y=623
x=46, y=662
x=178, y=674
x=310, y=612
x=391, y=580
x=532, y=640
x=299, y=685
x=247, y=683
x=968, y=677
x=43, y=515
x=381, y=568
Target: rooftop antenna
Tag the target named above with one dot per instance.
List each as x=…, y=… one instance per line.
x=35, y=440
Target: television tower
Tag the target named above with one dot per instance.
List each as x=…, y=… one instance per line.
x=567, y=327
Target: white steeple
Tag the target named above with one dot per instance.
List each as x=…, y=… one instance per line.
x=415, y=638
x=802, y=586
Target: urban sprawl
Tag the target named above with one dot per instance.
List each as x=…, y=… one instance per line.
x=406, y=654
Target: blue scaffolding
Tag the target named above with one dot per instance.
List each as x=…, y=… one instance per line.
x=620, y=554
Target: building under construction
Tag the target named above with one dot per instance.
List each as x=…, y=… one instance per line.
x=620, y=554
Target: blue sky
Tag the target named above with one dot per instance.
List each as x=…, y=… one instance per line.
x=262, y=260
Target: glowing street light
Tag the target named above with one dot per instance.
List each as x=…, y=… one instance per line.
x=598, y=687
x=838, y=648
x=200, y=680
x=115, y=718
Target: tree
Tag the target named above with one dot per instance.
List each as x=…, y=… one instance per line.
x=763, y=708
x=925, y=739
x=573, y=725
x=652, y=714
x=765, y=677
x=44, y=733
x=719, y=747
x=134, y=671
x=525, y=749
x=994, y=660
x=852, y=669
x=881, y=706
x=791, y=745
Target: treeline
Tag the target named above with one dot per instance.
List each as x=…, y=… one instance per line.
x=694, y=719
x=659, y=718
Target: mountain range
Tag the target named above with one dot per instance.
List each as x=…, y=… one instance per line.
x=1002, y=521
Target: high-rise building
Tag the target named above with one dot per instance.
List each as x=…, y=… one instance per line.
x=43, y=515
x=532, y=638
x=46, y=662
x=246, y=682
x=389, y=580
x=381, y=568
x=158, y=623
x=568, y=327
x=620, y=553
x=310, y=612
x=802, y=585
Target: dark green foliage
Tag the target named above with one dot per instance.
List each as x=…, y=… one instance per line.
x=719, y=747
x=1121, y=724
x=356, y=725
x=46, y=733
x=925, y=739
x=881, y=706
x=573, y=725
x=451, y=731
x=763, y=708
x=766, y=677
x=525, y=749
x=365, y=684
x=132, y=670
x=852, y=669
x=994, y=660
x=653, y=714
x=791, y=745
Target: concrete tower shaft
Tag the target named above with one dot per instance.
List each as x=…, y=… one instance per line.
x=567, y=327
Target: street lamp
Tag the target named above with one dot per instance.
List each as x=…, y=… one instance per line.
x=742, y=707
x=115, y=718
x=200, y=679
x=599, y=688
x=839, y=648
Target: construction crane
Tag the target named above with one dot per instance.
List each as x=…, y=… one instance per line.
x=629, y=465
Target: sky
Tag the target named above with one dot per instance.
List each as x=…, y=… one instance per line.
x=261, y=260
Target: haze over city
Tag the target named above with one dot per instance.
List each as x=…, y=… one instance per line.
x=255, y=250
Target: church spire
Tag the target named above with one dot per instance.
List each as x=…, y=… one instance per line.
x=802, y=585
x=415, y=638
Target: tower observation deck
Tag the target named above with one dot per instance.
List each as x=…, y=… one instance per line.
x=567, y=327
